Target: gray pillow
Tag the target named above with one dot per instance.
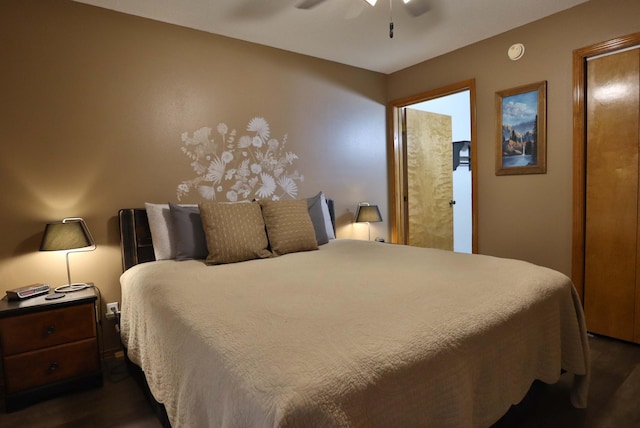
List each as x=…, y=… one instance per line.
x=191, y=242
x=314, y=206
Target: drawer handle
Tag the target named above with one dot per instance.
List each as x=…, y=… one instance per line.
x=50, y=330
x=53, y=367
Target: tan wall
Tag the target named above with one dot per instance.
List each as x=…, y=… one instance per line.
x=526, y=217
x=93, y=104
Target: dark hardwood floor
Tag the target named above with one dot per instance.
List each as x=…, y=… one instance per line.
x=614, y=393
x=119, y=403
x=614, y=398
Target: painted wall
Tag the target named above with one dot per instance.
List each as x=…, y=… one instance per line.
x=94, y=105
x=526, y=217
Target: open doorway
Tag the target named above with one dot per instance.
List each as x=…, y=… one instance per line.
x=434, y=177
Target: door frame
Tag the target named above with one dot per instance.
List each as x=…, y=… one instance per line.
x=398, y=197
x=580, y=57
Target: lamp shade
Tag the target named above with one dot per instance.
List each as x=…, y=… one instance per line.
x=368, y=214
x=68, y=234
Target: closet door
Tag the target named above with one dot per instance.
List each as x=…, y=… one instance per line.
x=611, y=235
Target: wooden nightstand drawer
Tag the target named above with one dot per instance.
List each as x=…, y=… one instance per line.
x=48, y=347
x=38, y=368
x=42, y=329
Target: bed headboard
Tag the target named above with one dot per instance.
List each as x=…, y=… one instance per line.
x=135, y=236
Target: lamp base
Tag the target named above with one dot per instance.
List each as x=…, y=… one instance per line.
x=70, y=288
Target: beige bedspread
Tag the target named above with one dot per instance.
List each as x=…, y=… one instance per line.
x=355, y=334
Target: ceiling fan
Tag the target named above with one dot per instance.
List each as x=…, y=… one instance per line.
x=414, y=7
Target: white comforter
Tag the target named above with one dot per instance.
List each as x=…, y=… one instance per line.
x=355, y=334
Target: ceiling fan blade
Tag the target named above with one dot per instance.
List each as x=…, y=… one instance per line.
x=417, y=7
x=308, y=4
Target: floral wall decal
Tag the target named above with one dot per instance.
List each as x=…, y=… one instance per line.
x=235, y=168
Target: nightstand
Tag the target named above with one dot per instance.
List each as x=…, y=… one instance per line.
x=48, y=347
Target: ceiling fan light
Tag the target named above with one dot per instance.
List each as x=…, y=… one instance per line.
x=371, y=2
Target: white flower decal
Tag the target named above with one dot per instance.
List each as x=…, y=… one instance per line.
x=288, y=185
x=239, y=167
x=207, y=192
x=257, y=142
x=268, y=186
x=260, y=127
x=215, y=172
x=273, y=144
x=226, y=157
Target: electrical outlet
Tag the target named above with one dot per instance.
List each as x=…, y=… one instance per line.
x=111, y=308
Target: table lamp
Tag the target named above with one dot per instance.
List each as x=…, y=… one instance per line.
x=71, y=235
x=367, y=213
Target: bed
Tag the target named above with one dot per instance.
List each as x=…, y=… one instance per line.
x=353, y=334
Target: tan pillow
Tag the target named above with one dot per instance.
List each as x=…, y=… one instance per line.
x=234, y=232
x=289, y=226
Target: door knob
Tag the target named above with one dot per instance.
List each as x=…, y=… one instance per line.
x=452, y=203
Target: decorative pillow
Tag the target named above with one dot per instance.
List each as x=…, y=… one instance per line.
x=161, y=227
x=314, y=206
x=234, y=232
x=190, y=241
x=327, y=218
x=289, y=226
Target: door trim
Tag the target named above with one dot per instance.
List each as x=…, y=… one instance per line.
x=580, y=57
x=396, y=161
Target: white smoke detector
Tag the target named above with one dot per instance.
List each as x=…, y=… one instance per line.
x=516, y=51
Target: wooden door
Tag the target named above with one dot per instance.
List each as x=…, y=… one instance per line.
x=429, y=166
x=611, y=217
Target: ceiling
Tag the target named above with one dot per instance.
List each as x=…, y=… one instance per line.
x=349, y=31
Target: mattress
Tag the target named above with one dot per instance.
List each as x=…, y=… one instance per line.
x=357, y=333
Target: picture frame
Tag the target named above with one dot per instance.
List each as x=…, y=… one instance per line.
x=521, y=130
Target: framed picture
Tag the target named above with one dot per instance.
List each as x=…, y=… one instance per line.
x=521, y=129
